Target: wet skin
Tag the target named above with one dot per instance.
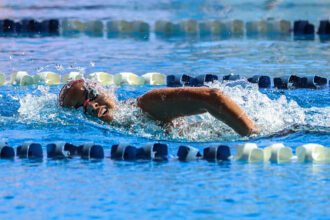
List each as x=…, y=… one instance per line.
x=166, y=104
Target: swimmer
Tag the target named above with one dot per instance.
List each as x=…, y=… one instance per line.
x=164, y=104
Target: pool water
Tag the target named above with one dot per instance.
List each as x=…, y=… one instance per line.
x=92, y=189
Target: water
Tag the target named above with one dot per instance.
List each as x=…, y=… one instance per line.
x=101, y=189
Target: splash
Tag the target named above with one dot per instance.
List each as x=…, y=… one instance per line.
x=271, y=115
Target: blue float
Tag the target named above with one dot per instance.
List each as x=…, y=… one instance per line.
x=188, y=153
x=91, y=151
x=179, y=80
x=6, y=151
x=216, y=153
x=153, y=151
x=288, y=82
x=29, y=150
x=123, y=152
x=231, y=77
x=61, y=150
x=263, y=81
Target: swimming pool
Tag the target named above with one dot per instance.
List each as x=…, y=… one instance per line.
x=94, y=189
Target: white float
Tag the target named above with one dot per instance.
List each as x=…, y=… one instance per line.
x=49, y=78
x=251, y=27
x=313, y=152
x=235, y=26
x=166, y=27
x=72, y=76
x=262, y=26
x=279, y=153
x=2, y=79
x=94, y=27
x=69, y=25
x=140, y=27
x=163, y=26
x=120, y=26
x=214, y=27
x=282, y=26
x=257, y=27
x=154, y=78
x=128, y=78
x=189, y=26
x=104, y=78
x=21, y=78
x=251, y=153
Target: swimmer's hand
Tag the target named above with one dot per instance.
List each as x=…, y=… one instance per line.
x=167, y=104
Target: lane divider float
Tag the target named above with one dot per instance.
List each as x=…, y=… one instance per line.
x=22, y=78
x=49, y=78
x=72, y=76
x=104, y=78
x=313, y=152
x=248, y=152
x=6, y=152
x=128, y=78
x=29, y=27
x=302, y=29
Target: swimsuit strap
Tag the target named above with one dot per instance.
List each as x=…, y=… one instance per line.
x=85, y=103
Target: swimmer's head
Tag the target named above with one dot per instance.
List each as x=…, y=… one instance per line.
x=88, y=95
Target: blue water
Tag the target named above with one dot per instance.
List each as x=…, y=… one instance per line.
x=78, y=188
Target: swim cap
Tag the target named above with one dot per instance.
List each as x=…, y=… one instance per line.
x=65, y=89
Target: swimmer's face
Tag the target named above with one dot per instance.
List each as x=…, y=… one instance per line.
x=97, y=102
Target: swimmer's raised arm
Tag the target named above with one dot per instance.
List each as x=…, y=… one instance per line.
x=167, y=104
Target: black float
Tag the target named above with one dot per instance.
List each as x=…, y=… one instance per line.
x=231, y=77
x=313, y=82
x=50, y=26
x=216, y=153
x=264, y=82
x=287, y=82
x=6, y=151
x=179, y=80
x=9, y=27
x=303, y=30
x=123, y=152
x=324, y=28
x=29, y=150
x=31, y=26
x=205, y=78
x=153, y=151
x=61, y=150
x=91, y=151
x=188, y=153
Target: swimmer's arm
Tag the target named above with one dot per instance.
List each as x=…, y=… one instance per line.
x=169, y=103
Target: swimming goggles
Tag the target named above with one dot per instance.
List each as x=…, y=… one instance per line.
x=90, y=96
